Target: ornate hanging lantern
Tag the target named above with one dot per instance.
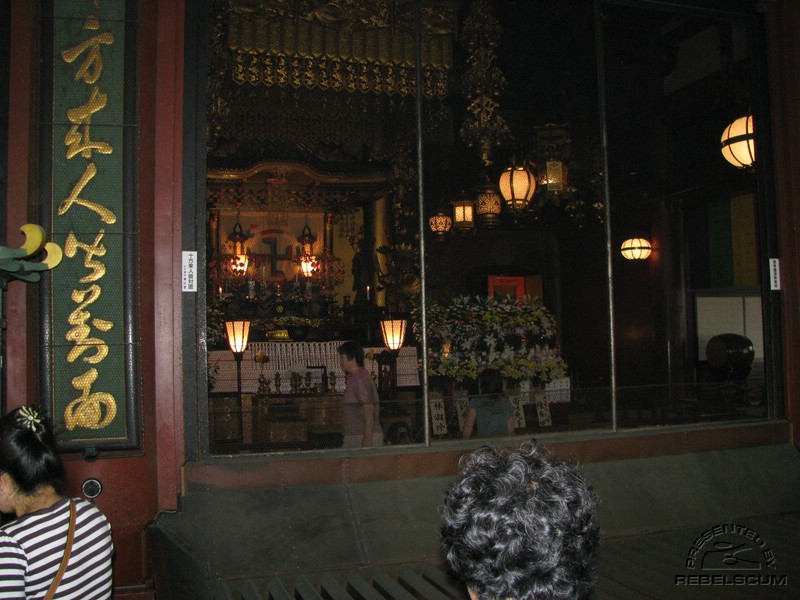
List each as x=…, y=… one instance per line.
x=307, y=265
x=555, y=176
x=440, y=223
x=463, y=215
x=307, y=258
x=488, y=206
x=239, y=260
x=517, y=186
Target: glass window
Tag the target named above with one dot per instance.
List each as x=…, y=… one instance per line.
x=621, y=285
x=687, y=319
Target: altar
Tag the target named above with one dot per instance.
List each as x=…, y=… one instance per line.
x=292, y=392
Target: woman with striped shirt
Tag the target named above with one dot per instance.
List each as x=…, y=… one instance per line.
x=57, y=547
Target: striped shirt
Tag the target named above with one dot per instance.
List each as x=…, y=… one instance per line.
x=31, y=549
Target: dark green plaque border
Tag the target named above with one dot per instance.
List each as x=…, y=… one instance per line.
x=115, y=186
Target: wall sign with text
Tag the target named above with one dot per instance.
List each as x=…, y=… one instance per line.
x=91, y=326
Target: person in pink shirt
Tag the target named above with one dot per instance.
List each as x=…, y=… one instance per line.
x=361, y=413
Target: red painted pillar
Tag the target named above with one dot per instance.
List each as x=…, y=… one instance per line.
x=136, y=485
x=783, y=34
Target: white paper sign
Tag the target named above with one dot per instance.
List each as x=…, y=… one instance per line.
x=774, y=274
x=189, y=271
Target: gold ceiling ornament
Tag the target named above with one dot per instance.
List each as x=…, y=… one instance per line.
x=285, y=187
x=312, y=119
x=326, y=83
x=483, y=81
x=362, y=46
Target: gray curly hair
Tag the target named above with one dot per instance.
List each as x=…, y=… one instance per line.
x=520, y=524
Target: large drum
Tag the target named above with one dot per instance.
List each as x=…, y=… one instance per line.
x=730, y=356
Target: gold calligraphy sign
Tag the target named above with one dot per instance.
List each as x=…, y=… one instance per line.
x=91, y=409
x=106, y=215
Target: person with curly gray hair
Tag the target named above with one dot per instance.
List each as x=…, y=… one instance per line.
x=520, y=525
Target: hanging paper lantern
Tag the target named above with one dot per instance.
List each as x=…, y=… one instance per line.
x=739, y=144
x=517, y=186
x=636, y=249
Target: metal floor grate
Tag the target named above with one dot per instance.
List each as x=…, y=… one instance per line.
x=403, y=583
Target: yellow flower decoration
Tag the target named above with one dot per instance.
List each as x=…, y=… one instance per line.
x=28, y=416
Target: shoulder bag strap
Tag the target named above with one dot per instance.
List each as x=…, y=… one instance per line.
x=67, y=552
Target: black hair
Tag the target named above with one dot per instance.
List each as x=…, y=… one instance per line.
x=353, y=351
x=520, y=524
x=28, y=450
x=491, y=382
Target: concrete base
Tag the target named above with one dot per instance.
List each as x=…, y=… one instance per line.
x=279, y=531
x=669, y=492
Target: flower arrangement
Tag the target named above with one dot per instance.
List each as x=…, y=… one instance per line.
x=471, y=334
x=213, y=371
x=215, y=324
